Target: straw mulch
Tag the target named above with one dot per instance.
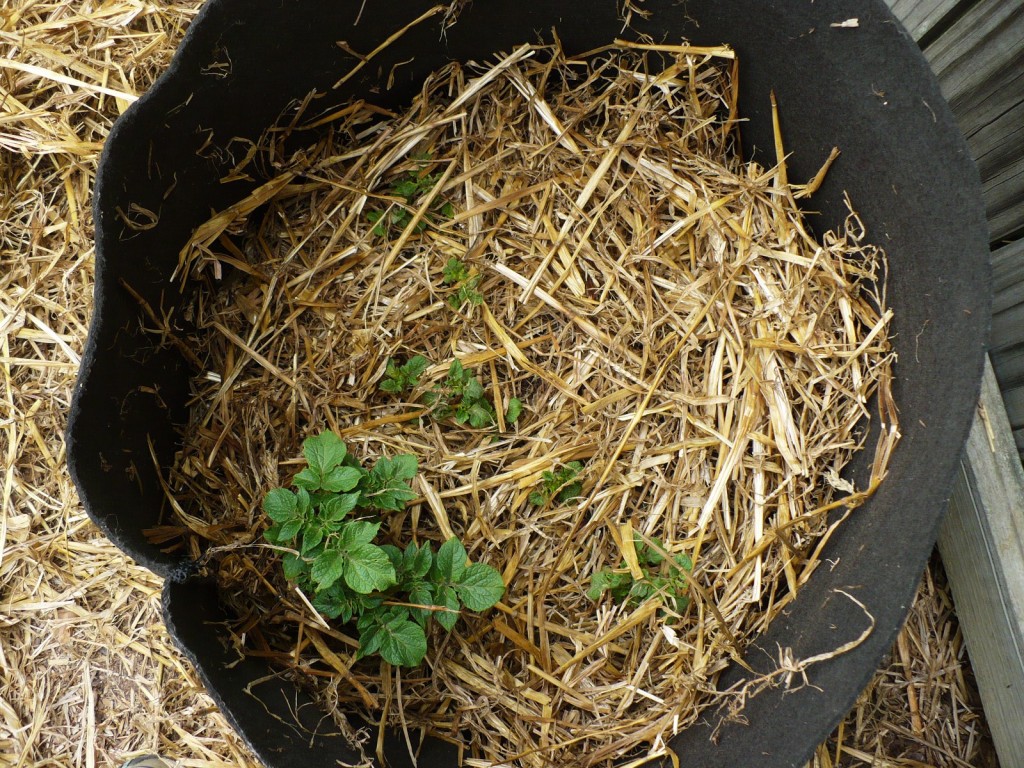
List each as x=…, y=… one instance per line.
x=921, y=709
x=87, y=674
x=657, y=306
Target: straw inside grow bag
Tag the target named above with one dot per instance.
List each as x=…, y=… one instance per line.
x=670, y=375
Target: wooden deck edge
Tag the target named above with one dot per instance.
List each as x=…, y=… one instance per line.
x=982, y=549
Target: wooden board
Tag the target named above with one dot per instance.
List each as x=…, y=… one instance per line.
x=979, y=61
x=982, y=548
x=1007, y=351
x=921, y=16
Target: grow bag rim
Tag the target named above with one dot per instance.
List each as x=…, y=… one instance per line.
x=104, y=235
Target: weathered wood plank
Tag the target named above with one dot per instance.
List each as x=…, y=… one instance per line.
x=1008, y=273
x=920, y=16
x=1007, y=327
x=1007, y=350
x=1007, y=304
x=982, y=548
x=999, y=148
x=1013, y=399
x=979, y=62
x=1009, y=365
x=974, y=62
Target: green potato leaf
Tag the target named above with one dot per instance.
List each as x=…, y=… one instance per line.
x=370, y=639
x=308, y=480
x=327, y=568
x=367, y=568
x=290, y=529
x=357, y=533
x=481, y=415
x=455, y=271
x=386, y=486
x=312, y=537
x=324, y=452
x=332, y=604
x=473, y=390
x=273, y=534
x=417, y=560
x=421, y=593
x=445, y=597
x=402, y=642
x=404, y=467
x=341, y=479
x=395, y=556
x=294, y=566
x=450, y=562
x=513, y=408
x=338, y=506
x=480, y=587
x=280, y=505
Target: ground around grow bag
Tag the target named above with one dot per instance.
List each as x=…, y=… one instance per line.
x=903, y=162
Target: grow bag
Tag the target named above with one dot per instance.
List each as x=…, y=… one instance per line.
x=865, y=89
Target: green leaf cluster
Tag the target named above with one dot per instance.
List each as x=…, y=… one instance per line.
x=405, y=377
x=331, y=522
x=560, y=486
x=430, y=586
x=461, y=397
x=457, y=275
x=662, y=577
x=410, y=187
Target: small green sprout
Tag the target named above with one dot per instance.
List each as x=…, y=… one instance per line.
x=513, y=408
x=405, y=377
x=455, y=272
x=330, y=523
x=410, y=187
x=560, y=486
x=662, y=577
x=457, y=275
x=461, y=396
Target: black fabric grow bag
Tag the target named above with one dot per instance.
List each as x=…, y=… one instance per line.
x=865, y=89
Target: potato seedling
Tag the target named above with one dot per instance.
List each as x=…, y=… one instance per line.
x=405, y=377
x=410, y=187
x=331, y=523
x=559, y=486
x=461, y=397
x=662, y=577
x=457, y=275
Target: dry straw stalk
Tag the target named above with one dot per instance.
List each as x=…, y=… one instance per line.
x=658, y=305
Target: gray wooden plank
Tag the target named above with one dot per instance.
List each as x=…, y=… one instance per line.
x=1007, y=328
x=979, y=62
x=982, y=547
x=920, y=16
x=1007, y=339
x=1009, y=366
x=998, y=149
x=1008, y=276
x=1013, y=399
x=1004, y=198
